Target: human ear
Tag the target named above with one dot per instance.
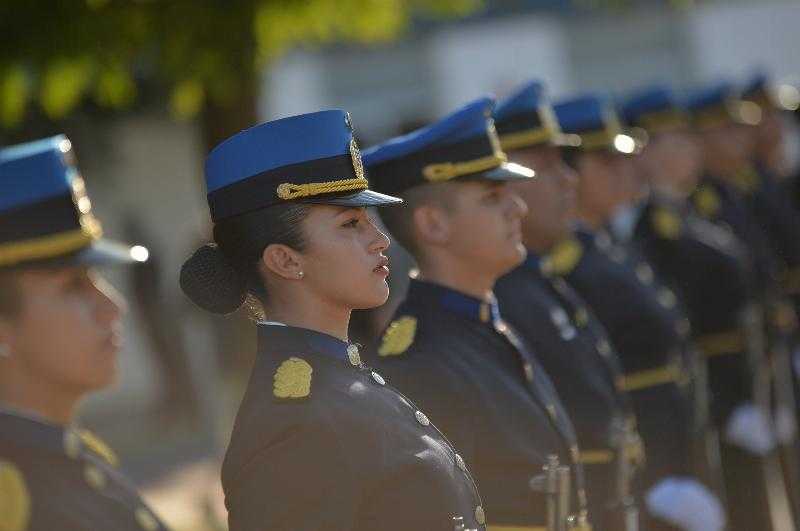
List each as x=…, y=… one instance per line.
x=283, y=261
x=432, y=224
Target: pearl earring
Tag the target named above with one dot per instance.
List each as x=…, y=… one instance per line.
x=300, y=274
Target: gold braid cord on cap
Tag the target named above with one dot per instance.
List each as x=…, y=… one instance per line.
x=52, y=245
x=289, y=191
x=450, y=170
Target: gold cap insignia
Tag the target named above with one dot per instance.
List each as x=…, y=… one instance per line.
x=355, y=154
x=398, y=336
x=707, y=202
x=15, y=499
x=99, y=447
x=292, y=379
x=667, y=224
x=563, y=258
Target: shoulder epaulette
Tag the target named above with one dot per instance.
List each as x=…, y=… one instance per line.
x=292, y=379
x=707, y=201
x=399, y=335
x=15, y=499
x=564, y=257
x=666, y=223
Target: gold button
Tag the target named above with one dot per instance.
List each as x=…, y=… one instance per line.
x=421, y=418
x=146, y=519
x=353, y=355
x=95, y=477
x=378, y=378
x=72, y=443
x=480, y=516
x=460, y=463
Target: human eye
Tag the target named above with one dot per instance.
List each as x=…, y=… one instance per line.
x=351, y=223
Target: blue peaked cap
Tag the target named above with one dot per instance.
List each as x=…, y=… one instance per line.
x=656, y=109
x=462, y=144
x=45, y=214
x=308, y=158
x=467, y=122
x=35, y=171
x=716, y=94
x=592, y=120
x=527, y=99
x=584, y=113
x=283, y=142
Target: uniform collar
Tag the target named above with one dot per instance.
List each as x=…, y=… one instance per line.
x=30, y=433
x=455, y=301
x=281, y=337
x=533, y=262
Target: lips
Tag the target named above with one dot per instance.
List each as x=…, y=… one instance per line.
x=382, y=267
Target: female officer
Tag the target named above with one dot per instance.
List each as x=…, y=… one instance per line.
x=320, y=441
x=59, y=335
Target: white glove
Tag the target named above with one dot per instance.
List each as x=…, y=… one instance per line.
x=686, y=504
x=749, y=428
x=785, y=425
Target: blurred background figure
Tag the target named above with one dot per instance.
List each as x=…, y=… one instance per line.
x=60, y=331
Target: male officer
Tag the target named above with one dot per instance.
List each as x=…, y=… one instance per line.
x=568, y=339
x=642, y=316
x=448, y=346
x=59, y=334
x=737, y=193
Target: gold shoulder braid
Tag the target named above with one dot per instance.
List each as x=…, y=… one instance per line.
x=563, y=258
x=706, y=201
x=292, y=379
x=667, y=224
x=15, y=499
x=99, y=447
x=398, y=336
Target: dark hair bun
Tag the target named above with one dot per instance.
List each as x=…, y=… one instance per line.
x=211, y=282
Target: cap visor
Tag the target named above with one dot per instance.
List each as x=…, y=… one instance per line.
x=508, y=171
x=364, y=198
x=103, y=253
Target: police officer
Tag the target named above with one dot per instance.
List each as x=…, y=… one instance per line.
x=570, y=342
x=60, y=326
x=752, y=204
x=448, y=345
x=320, y=440
x=641, y=314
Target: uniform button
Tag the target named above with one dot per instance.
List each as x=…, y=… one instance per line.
x=353, y=355
x=480, y=516
x=603, y=347
x=95, y=477
x=666, y=298
x=460, y=463
x=559, y=316
x=582, y=317
x=644, y=273
x=72, y=444
x=421, y=418
x=575, y=453
x=145, y=519
x=378, y=378
x=528, y=372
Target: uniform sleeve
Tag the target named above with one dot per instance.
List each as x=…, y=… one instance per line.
x=301, y=480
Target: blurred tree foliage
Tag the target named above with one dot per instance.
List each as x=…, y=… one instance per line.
x=203, y=54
